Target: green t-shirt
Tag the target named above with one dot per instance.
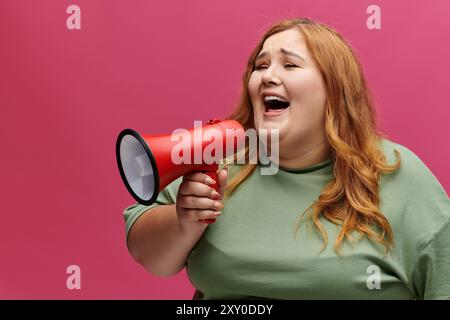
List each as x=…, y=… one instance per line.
x=251, y=252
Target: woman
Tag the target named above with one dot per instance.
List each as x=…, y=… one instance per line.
x=339, y=179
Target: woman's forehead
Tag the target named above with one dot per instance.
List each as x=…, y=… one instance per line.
x=289, y=40
x=291, y=37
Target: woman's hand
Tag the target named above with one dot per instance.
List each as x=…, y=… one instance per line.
x=197, y=200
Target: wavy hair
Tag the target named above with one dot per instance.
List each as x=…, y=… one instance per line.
x=351, y=198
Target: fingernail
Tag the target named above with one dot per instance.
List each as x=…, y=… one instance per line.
x=215, y=194
x=210, y=181
x=217, y=213
x=218, y=205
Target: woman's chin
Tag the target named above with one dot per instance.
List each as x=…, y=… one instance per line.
x=269, y=129
x=272, y=125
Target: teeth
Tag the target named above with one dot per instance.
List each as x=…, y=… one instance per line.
x=267, y=98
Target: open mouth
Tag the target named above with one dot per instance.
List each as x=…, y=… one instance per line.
x=275, y=104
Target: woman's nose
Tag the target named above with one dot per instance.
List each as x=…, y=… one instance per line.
x=270, y=76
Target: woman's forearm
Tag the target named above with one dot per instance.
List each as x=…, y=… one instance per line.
x=158, y=242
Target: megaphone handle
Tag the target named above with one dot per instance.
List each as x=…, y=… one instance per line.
x=215, y=186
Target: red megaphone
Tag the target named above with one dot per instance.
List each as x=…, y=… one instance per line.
x=148, y=163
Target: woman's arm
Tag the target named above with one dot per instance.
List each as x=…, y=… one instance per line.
x=160, y=243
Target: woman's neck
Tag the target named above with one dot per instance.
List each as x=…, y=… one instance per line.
x=299, y=159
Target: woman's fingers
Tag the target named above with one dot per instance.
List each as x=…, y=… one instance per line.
x=223, y=176
x=198, y=189
x=199, y=177
x=202, y=203
x=197, y=200
x=193, y=215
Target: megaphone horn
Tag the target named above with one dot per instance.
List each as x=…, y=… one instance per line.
x=146, y=162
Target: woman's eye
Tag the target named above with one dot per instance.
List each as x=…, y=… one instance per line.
x=263, y=66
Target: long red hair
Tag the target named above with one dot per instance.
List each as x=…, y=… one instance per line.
x=351, y=199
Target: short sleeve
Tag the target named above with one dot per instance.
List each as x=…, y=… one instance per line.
x=431, y=277
x=166, y=196
x=423, y=234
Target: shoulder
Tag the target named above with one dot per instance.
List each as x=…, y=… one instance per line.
x=412, y=171
x=413, y=178
x=410, y=160
x=412, y=193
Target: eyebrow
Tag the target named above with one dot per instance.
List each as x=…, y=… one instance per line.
x=284, y=51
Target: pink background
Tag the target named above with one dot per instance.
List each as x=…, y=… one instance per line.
x=155, y=66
